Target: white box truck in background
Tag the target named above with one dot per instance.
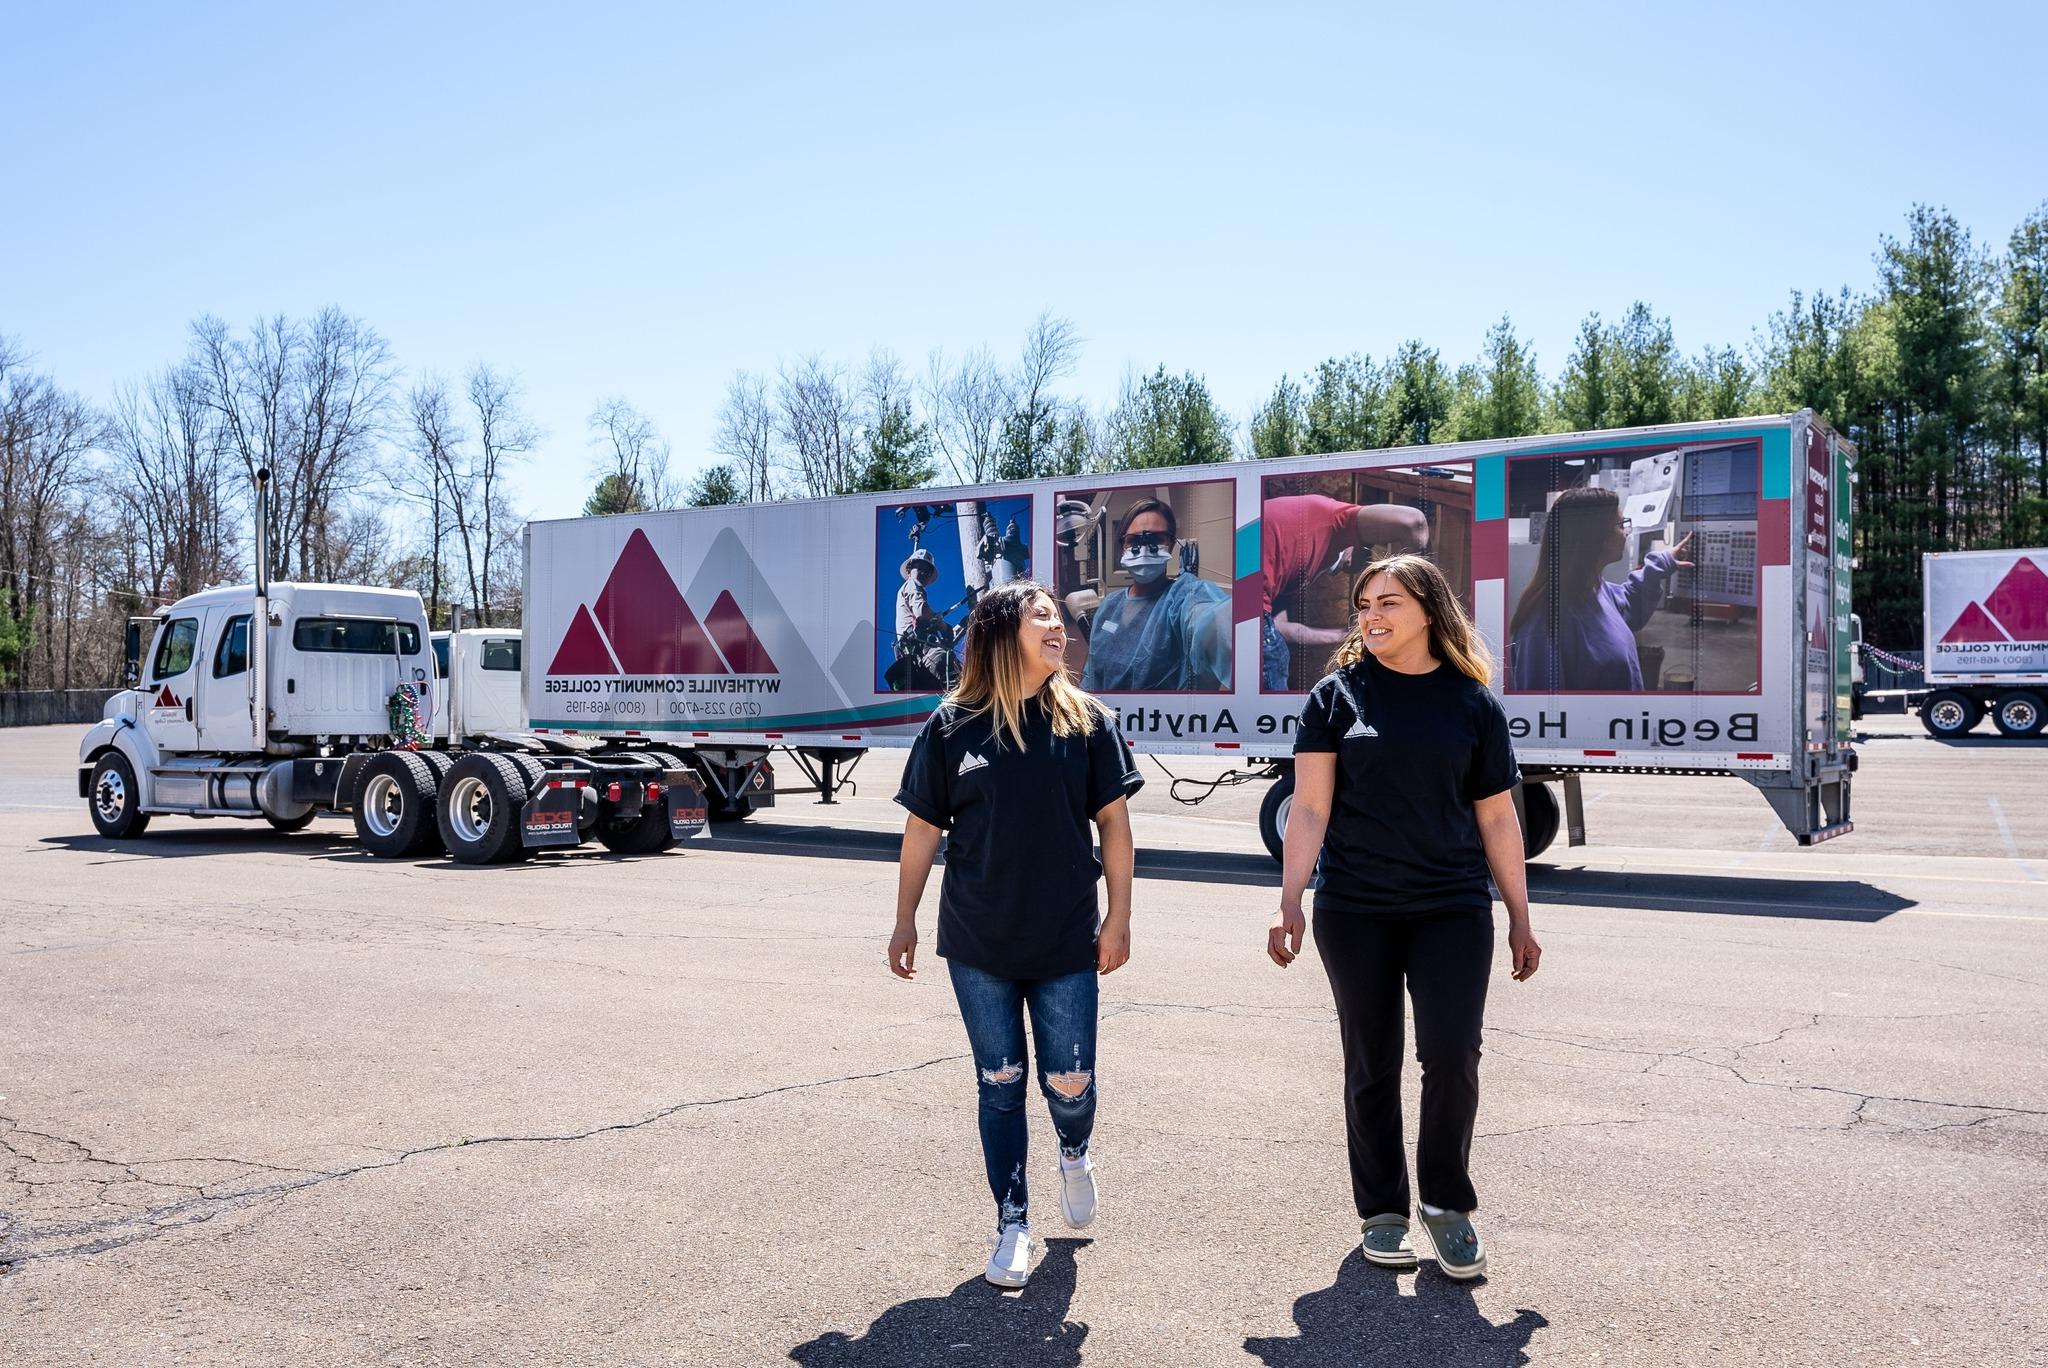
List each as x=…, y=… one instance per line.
x=1670, y=600
x=1985, y=635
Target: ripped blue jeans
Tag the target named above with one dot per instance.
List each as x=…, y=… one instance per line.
x=1063, y=1027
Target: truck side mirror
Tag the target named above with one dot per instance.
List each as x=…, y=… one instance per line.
x=131, y=652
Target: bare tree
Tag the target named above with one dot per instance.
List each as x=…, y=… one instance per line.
x=1051, y=349
x=173, y=485
x=818, y=424
x=748, y=435
x=308, y=400
x=504, y=437
x=632, y=452
x=967, y=405
x=433, y=438
x=46, y=435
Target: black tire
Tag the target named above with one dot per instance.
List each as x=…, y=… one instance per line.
x=291, y=824
x=647, y=834
x=393, y=805
x=1949, y=713
x=115, y=805
x=1273, y=812
x=2019, y=713
x=1541, y=819
x=478, y=809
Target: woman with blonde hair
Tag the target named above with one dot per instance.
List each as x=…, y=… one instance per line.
x=1009, y=772
x=1403, y=801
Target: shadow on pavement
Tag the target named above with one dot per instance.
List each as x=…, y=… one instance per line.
x=1363, y=1319
x=1729, y=895
x=844, y=843
x=975, y=1323
x=233, y=836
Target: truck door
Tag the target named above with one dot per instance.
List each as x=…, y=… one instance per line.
x=225, y=720
x=173, y=672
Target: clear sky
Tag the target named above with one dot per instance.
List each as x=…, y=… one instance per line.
x=638, y=201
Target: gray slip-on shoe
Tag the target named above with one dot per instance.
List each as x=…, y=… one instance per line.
x=1458, y=1250
x=1385, y=1242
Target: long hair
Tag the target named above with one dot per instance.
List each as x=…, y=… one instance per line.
x=992, y=676
x=1452, y=638
x=1574, y=538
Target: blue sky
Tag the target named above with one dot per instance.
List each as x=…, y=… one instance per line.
x=640, y=203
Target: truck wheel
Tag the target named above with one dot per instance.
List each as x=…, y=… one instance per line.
x=1949, y=712
x=115, y=803
x=479, y=809
x=290, y=824
x=1274, y=809
x=1539, y=809
x=2018, y=713
x=394, y=806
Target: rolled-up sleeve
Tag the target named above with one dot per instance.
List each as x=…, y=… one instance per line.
x=926, y=792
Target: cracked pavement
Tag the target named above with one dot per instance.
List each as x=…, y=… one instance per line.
x=264, y=1100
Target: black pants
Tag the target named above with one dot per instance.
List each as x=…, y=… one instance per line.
x=1445, y=958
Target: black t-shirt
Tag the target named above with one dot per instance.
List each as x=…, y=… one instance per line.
x=1414, y=753
x=1018, y=899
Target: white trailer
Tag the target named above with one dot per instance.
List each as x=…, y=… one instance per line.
x=1984, y=624
x=828, y=627
x=278, y=701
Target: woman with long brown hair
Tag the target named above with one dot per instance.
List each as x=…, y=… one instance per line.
x=1009, y=772
x=1403, y=802
x=1573, y=630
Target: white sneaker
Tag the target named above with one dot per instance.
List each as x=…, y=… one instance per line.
x=1010, y=1265
x=1077, y=1191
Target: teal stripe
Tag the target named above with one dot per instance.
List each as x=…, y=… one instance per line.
x=848, y=716
x=1248, y=549
x=1777, y=465
x=1489, y=488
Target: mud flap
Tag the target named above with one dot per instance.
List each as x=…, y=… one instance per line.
x=689, y=813
x=549, y=817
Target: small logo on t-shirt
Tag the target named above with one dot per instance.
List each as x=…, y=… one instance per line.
x=1361, y=728
x=969, y=763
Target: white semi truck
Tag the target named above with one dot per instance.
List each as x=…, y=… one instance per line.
x=1663, y=600
x=1984, y=618
x=278, y=701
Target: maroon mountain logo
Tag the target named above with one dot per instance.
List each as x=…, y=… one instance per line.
x=642, y=626
x=167, y=699
x=2017, y=610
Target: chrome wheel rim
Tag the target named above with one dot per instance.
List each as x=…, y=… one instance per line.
x=2019, y=716
x=383, y=805
x=469, y=809
x=110, y=795
x=1280, y=816
x=1948, y=715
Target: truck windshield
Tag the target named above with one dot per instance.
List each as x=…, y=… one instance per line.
x=353, y=636
x=501, y=655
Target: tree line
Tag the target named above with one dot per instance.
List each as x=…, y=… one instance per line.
x=1938, y=371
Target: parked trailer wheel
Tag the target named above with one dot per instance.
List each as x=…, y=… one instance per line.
x=479, y=807
x=647, y=834
x=115, y=803
x=1541, y=819
x=394, y=806
x=1948, y=712
x=2019, y=713
x=1274, y=809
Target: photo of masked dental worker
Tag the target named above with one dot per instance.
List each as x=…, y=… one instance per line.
x=933, y=561
x=1318, y=529
x=1634, y=571
x=1144, y=576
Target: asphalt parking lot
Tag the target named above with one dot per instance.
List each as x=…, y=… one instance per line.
x=266, y=1100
